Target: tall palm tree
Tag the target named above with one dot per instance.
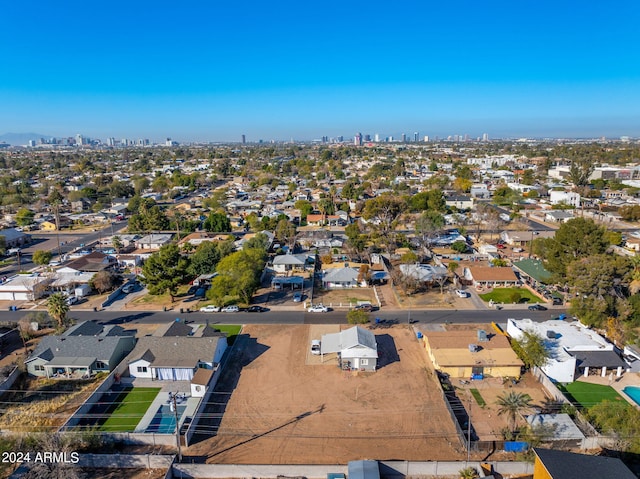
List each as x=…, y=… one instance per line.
x=58, y=308
x=512, y=404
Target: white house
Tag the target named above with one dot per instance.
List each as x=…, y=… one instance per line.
x=574, y=349
x=200, y=382
x=174, y=358
x=153, y=241
x=356, y=348
x=23, y=287
x=567, y=197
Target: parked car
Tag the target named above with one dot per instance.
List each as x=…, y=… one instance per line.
x=315, y=346
x=297, y=297
x=256, y=309
x=230, y=309
x=127, y=288
x=518, y=250
x=557, y=301
x=318, y=308
x=462, y=294
x=72, y=300
x=537, y=307
x=210, y=309
x=368, y=307
x=500, y=246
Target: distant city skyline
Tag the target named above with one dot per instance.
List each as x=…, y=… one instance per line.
x=303, y=71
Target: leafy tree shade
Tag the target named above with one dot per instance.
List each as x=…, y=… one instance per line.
x=580, y=170
x=619, y=420
x=512, y=404
x=357, y=316
x=41, y=257
x=217, y=223
x=432, y=200
x=575, y=239
x=58, y=308
x=531, y=349
x=24, y=217
x=238, y=275
x=600, y=275
x=205, y=259
x=104, y=281
x=165, y=270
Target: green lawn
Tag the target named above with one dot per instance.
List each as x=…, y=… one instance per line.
x=232, y=331
x=478, y=397
x=504, y=295
x=586, y=395
x=129, y=408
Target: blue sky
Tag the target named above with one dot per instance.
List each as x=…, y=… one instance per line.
x=203, y=70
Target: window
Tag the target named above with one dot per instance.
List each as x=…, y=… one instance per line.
x=198, y=388
x=38, y=367
x=364, y=362
x=101, y=365
x=142, y=369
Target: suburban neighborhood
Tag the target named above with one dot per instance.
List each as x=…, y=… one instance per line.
x=463, y=306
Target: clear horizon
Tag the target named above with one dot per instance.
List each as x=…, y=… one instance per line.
x=303, y=71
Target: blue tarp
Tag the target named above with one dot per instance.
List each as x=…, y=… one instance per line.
x=516, y=446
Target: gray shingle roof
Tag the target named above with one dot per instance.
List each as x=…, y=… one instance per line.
x=98, y=347
x=179, y=349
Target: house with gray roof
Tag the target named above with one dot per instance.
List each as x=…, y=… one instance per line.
x=14, y=238
x=78, y=356
x=356, y=348
x=284, y=263
x=173, y=358
x=346, y=277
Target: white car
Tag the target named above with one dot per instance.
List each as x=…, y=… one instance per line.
x=127, y=288
x=462, y=294
x=72, y=300
x=297, y=297
x=318, y=308
x=230, y=309
x=209, y=309
x=315, y=346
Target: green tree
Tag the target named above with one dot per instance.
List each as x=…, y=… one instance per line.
x=459, y=246
x=41, y=257
x=24, y=217
x=357, y=316
x=104, y=281
x=305, y=208
x=620, y=420
x=164, y=271
x=58, y=308
x=117, y=243
x=205, y=259
x=512, y=404
x=531, y=349
x=575, y=239
x=238, y=275
x=285, y=232
x=217, y=223
x=580, y=171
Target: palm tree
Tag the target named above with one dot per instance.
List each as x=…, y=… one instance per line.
x=58, y=308
x=512, y=404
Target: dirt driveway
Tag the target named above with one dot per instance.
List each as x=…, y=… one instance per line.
x=275, y=406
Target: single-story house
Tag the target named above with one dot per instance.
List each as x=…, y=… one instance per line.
x=174, y=358
x=574, y=349
x=460, y=202
x=424, y=272
x=284, y=263
x=77, y=356
x=346, y=277
x=558, y=216
x=472, y=353
x=153, y=241
x=524, y=238
x=289, y=282
x=14, y=238
x=356, y=348
x=490, y=277
x=24, y=287
x=532, y=272
x=553, y=464
x=92, y=262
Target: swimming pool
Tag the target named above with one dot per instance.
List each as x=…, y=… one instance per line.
x=633, y=392
x=164, y=422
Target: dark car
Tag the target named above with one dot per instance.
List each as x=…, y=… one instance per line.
x=364, y=307
x=537, y=307
x=256, y=309
x=557, y=301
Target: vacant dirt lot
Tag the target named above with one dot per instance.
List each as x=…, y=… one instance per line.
x=278, y=405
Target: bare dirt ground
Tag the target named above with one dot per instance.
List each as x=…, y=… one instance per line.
x=281, y=406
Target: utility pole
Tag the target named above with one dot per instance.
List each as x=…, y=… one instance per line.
x=175, y=412
x=57, y=207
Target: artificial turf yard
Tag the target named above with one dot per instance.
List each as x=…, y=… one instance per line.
x=586, y=395
x=128, y=408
